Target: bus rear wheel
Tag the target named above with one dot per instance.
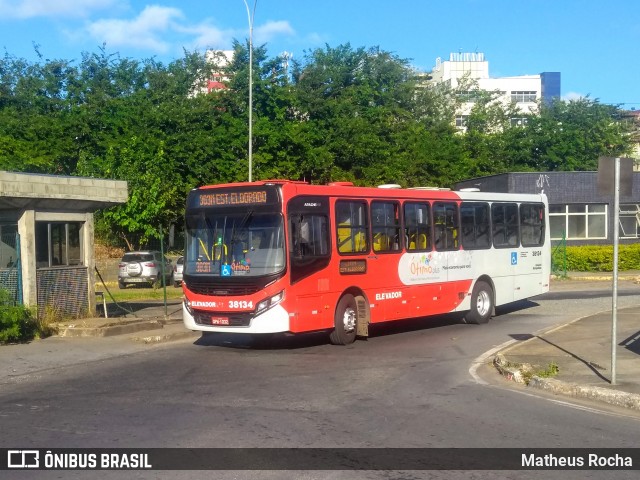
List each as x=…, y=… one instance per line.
x=481, y=303
x=345, y=321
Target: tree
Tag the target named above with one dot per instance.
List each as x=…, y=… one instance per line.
x=343, y=113
x=572, y=135
x=356, y=100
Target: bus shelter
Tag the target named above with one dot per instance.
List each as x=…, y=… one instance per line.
x=47, y=257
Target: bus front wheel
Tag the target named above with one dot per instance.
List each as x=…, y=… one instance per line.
x=345, y=321
x=481, y=303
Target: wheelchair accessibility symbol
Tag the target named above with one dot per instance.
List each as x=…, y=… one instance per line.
x=225, y=270
x=514, y=258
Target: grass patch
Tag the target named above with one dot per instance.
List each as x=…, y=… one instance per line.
x=551, y=370
x=134, y=292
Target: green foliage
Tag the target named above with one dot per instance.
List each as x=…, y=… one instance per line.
x=338, y=113
x=572, y=135
x=16, y=322
x=529, y=371
x=598, y=258
x=551, y=371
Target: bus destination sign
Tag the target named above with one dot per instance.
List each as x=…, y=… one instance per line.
x=228, y=197
x=233, y=198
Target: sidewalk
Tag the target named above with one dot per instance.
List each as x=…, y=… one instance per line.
x=581, y=351
x=132, y=319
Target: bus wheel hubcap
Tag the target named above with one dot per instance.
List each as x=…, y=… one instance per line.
x=484, y=303
x=349, y=320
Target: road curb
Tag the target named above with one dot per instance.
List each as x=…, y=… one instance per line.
x=612, y=397
x=109, y=330
x=521, y=373
x=166, y=337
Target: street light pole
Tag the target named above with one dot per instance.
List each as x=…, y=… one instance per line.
x=251, y=15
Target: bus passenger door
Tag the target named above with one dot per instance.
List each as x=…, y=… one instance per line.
x=506, y=243
x=309, y=257
x=533, y=262
x=389, y=295
x=446, y=229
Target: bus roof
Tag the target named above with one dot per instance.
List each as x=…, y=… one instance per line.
x=296, y=187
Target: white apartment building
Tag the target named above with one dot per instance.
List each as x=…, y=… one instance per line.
x=526, y=91
x=219, y=59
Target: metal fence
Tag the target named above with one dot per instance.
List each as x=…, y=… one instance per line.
x=559, y=258
x=62, y=292
x=10, y=270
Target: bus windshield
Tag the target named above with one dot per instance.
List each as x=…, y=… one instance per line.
x=234, y=244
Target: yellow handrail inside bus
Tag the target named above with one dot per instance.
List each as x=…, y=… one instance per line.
x=204, y=249
x=223, y=249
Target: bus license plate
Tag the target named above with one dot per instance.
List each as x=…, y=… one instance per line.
x=219, y=320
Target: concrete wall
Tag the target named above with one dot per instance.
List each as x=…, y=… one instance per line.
x=70, y=193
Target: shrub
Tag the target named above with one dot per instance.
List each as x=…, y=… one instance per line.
x=17, y=323
x=597, y=258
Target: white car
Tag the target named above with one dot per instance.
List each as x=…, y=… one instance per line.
x=144, y=267
x=177, y=272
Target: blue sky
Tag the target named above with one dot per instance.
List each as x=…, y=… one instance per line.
x=594, y=44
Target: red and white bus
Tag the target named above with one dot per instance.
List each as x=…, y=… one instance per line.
x=285, y=256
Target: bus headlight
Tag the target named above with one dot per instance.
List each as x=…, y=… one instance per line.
x=270, y=302
x=187, y=305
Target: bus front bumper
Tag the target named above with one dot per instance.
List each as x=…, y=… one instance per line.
x=274, y=320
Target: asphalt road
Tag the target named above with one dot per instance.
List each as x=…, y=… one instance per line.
x=409, y=385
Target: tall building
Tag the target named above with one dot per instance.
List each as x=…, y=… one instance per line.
x=525, y=91
x=220, y=59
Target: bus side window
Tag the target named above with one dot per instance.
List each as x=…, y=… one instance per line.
x=352, y=226
x=504, y=222
x=385, y=225
x=309, y=236
x=417, y=226
x=532, y=224
x=445, y=222
x=474, y=218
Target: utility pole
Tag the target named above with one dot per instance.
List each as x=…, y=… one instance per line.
x=251, y=15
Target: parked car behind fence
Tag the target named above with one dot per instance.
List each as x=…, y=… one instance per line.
x=144, y=267
x=177, y=272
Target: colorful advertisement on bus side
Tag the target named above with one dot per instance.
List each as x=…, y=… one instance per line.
x=432, y=267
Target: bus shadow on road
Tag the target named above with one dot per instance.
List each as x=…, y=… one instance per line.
x=515, y=307
x=281, y=341
x=271, y=341
x=415, y=324
x=632, y=343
